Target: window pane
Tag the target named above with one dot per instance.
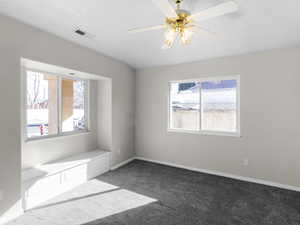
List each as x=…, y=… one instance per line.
x=42, y=115
x=184, y=108
x=73, y=105
x=219, y=106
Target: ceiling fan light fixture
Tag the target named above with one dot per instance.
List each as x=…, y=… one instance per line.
x=170, y=37
x=179, y=26
x=186, y=36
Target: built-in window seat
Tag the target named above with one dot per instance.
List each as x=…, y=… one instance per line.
x=44, y=182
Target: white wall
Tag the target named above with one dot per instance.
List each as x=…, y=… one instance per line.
x=104, y=115
x=19, y=40
x=270, y=119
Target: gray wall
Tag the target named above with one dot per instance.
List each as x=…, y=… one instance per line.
x=19, y=40
x=270, y=119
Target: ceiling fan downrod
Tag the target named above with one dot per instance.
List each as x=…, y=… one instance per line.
x=178, y=3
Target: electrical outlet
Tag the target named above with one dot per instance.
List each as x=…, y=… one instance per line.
x=119, y=151
x=1, y=195
x=245, y=162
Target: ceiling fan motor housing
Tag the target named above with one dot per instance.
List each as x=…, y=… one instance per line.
x=183, y=13
x=180, y=22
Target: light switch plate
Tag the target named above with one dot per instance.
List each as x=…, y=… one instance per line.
x=1, y=195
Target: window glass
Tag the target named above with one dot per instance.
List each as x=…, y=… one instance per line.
x=219, y=106
x=42, y=113
x=73, y=105
x=184, y=107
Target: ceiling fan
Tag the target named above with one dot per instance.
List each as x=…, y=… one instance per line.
x=181, y=23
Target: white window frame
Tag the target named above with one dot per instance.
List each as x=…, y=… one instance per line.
x=60, y=133
x=237, y=133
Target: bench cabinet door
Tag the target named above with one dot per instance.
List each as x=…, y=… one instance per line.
x=74, y=176
x=98, y=166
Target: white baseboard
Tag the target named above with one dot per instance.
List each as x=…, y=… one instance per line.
x=12, y=213
x=122, y=163
x=247, y=179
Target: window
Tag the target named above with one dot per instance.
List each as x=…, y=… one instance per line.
x=55, y=105
x=42, y=113
x=185, y=106
x=205, y=106
x=73, y=105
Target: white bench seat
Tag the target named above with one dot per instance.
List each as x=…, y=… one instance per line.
x=43, y=182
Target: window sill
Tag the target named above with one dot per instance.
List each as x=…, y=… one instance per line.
x=206, y=133
x=58, y=136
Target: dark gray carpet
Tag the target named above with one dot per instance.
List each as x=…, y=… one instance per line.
x=167, y=196
x=190, y=198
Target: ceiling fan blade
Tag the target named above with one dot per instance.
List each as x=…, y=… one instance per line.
x=199, y=29
x=219, y=10
x=143, y=29
x=166, y=7
x=207, y=32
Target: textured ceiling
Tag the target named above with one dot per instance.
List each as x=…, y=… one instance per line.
x=259, y=25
